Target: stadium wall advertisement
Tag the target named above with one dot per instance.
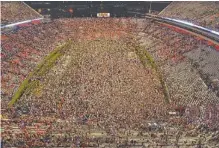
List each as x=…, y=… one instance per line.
x=103, y=14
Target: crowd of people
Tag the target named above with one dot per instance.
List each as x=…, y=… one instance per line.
x=99, y=83
x=201, y=13
x=173, y=42
x=178, y=43
x=22, y=49
x=12, y=12
x=21, y=52
x=101, y=41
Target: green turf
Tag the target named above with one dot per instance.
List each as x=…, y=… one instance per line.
x=28, y=84
x=145, y=59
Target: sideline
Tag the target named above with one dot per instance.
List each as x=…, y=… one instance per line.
x=40, y=70
x=145, y=58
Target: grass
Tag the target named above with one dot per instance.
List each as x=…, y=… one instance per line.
x=145, y=59
x=28, y=84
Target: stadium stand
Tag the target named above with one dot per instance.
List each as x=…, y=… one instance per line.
x=12, y=12
x=202, y=13
x=85, y=100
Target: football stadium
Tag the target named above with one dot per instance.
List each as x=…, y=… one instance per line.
x=110, y=74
